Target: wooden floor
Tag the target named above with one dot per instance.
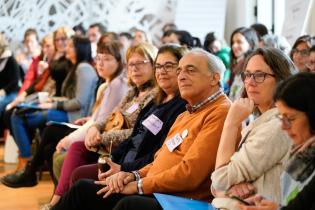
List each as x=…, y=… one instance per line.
x=23, y=198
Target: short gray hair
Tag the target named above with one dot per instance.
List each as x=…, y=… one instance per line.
x=276, y=41
x=214, y=63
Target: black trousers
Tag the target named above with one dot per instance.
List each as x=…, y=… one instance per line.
x=82, y=195
x=138, y=202
x=6, y=120
x=50, y=137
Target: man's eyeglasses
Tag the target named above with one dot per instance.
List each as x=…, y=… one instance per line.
x=138, y=64
x=167, y=67
x=258, y=77
x=303, y=53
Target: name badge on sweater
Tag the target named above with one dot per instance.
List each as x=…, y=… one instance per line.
x=153, y=124
x=132, y=108
x=174, y=142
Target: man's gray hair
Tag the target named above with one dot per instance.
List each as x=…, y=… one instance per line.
x=214, y=63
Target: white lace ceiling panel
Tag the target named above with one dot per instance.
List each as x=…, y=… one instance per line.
x=118, y=15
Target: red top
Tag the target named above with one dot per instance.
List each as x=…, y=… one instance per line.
x=31, y=74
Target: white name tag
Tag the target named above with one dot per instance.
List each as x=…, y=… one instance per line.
x=153, y=124
x=132, y=108
x=174, y=142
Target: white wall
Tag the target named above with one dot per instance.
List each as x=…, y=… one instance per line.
x=201, y=16
x=264, y=13
x=239, y=13
x=118, y=15
x=279, y=15
x=297, y=19
x=310, y=28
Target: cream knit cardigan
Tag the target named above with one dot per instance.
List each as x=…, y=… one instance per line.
x=260, y=159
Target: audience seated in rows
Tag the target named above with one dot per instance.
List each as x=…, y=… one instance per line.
x=193, y=139
x=110, y=68
x=245, y=167
x=78, y=89
x=139, y=149
x=141, y=78
x=55, y=69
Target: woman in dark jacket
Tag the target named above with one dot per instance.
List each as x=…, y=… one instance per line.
x=139, y=149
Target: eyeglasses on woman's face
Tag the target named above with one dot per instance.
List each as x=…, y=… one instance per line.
x=303, y=52
x=102, y=59
x=259, y=76
x=286, y=120
x=166, y=67
x=137, y=64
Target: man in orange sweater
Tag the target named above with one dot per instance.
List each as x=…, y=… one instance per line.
x=185, y=162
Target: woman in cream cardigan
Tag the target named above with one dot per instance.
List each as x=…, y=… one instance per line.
x=296, y=104
x=255, y=163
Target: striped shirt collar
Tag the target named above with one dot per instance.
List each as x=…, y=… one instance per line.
x=213, y=97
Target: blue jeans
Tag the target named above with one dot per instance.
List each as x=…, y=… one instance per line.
x=5, y=100
x=22, y=123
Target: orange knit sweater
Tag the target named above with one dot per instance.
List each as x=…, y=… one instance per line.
x=186, y=171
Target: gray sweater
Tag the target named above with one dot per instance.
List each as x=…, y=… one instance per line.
x=79, y=90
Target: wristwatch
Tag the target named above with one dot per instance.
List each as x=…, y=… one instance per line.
x=136, y=174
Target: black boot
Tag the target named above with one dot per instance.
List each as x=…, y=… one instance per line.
x=25, y=178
